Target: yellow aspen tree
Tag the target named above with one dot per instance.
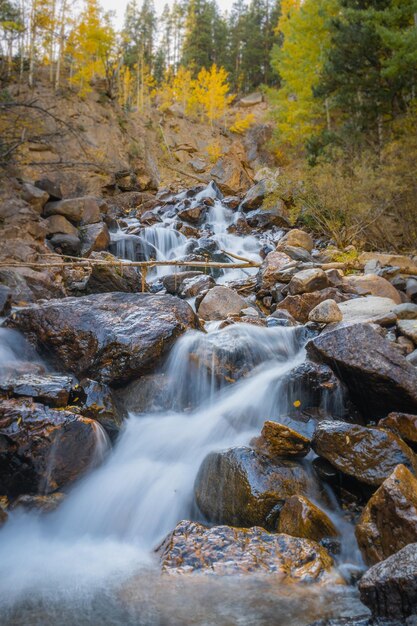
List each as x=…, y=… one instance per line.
x=211, y=92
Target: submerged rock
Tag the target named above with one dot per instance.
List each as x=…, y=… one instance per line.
x=111, y=338
x=389, y=588
x=222, y=550
x=41, y=449
x=389, y=520
x=378, y=377
x=367, y=454
x=241, y=487
x=278, y=440
x=299, y=517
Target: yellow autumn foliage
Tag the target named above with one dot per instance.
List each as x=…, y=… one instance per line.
x=242, y=123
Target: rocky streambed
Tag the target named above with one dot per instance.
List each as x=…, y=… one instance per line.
x=243, y=435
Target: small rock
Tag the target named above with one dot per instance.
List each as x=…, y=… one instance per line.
x=195, y=214
x=297, y=238
x=52, y=188
x=173, y=282
x=307, y=281
x=406, y=345
x=66, y=244
x=94, y=238
x=412, y=358
x=278, y=440
x=406, y=311
x=50, y=389
x=35, y=197
x=327, y=312
x=198, y=165
x=389, y=588
x=6, y=297
x=271, y=268
x=402, y=424
x=408, y=328
x=299, y=517
x=192, y=287
x=301, y=305
x=221, y=550
x=220, y=302
x=254, y=197
x=367, y=454
x=389, y=520
x=251, y=99
x=411, y=289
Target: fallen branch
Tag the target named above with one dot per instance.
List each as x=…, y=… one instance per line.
x=144, y=264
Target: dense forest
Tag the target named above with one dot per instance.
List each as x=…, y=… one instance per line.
x=339, y=77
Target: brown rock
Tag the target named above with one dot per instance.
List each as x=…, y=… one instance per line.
x=297, y=238
x=219, y=303
x=299, y=517
x=59, y=224
x=223, y=550
x=33, y=435
x=378, y=377
x=195, y=214
x=94, y=238
x=109, y=337
x=301, y=305
x=327, y=312
x=367, y=454
x=85, y=210
x=51, y=389
x=34, y=196
x=278, y=440
x=403, y=424
x=44, y=504
x=389, y=520
x=374, y=285
x=269, y=273
x=241, y=487
x=307, y=281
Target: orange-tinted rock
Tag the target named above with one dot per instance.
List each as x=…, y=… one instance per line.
x=367, y=454
x=403, y=424
x=223, y=550
x=389, y=520
x=299, y=517
x=373, y=285
x=271, y=268
x=43, y=504
x=278, y=440
x=301, y=305
x=42, y=449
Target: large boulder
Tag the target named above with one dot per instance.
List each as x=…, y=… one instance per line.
x=389, y=520
x=241, y=487
x=41, y=449
x=220, y=302
x=222, y=550
x=298, y=239
x=111, y=338
x=389, y=588
x=59, y=224
x=85, y=210
x=299, y=517
x=94, y=238
x=367, y=309
x=373, y=285
x=368, y=454
x=378, y=377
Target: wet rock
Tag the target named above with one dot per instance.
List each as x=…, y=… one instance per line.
x=96, y=400
x=264, y=219
x=51, y=389
x=389, y=520
x=254, y=197
x=34, y=196
x=94, y=238
x=132, y=247
x=194, y=215
x=192, y=287
x=297, y=238
x=278, y=440
x=301, y=305
x=403, y=424
x=307, y=281
x=173, y=282
x=147, y=394
x=107, y=278
x=408, y=328
x=3, y=516
x=66, y=244
x=111, y=338
x=270, y=271
x=6, y=298
x=43, y=504
x=85, y=210
x=327, y=312
x=367, y=454
x=41, y=449
x=367, y=309
x=58, y=224
x=299, y=517
x=222, y=550
x=371, y=284
x=406, y=311
x=389, y=588
x=379, y=379
x=241, y=487
x=219, y=303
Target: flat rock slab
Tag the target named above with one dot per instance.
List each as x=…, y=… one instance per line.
x=366, y=309
x=224, y=550
x=110, y=337
x=51, y=389
x=379, y=379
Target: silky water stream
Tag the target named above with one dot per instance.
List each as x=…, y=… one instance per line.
x=92, y=562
